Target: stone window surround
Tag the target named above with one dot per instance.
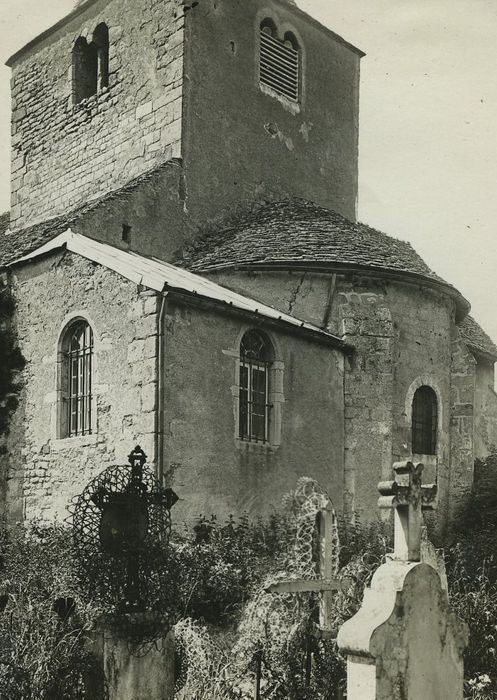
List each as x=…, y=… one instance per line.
x=101, y=41
x=275, y=396
x=431, y=381
x=59, y=439
x=283, y=27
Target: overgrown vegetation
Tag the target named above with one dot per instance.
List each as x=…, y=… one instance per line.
x=472, y=575
x=45, y=621
x=221, y=564
x=228, y=626
x=11, y=360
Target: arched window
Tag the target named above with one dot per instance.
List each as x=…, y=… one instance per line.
x=101, y=41
x=424, y=421
x=254, y=407
x=279, y=61
x=91, y=64
x=84, y=66
x=77, y=379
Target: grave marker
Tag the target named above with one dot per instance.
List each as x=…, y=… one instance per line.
x=327, y=584
x=404, y=641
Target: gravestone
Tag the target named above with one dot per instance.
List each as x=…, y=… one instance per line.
x=405, y=643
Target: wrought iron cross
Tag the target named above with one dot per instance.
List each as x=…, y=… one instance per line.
x=326, y=585
x=408, y=498
x=124, y=523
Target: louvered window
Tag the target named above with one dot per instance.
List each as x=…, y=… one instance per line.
x=279, y=64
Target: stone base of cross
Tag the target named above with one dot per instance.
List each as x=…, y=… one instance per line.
x=327, y=585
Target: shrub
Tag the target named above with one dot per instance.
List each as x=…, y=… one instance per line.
x=45, y=622
x=220, y=565
x=472, y=578
x=11, y=360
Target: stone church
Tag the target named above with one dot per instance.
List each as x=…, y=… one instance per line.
x=189, y=274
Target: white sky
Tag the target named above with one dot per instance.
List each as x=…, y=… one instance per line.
x=428, y=146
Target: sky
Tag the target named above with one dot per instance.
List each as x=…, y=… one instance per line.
x=428, y=145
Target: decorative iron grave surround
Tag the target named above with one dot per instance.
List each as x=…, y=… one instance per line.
x=122, y=527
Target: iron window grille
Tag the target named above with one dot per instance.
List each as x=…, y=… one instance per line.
x=424, y=421
x=279, y=64
x=254, y=406
x=79, y=360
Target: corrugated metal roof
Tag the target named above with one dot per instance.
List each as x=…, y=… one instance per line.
x=161, y=276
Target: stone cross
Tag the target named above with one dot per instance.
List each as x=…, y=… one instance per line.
x=408, y=498
x=326, y=585
x=404, y=641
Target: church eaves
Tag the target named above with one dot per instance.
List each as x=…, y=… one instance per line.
x=164, y=278
x=82, y=5
x=296, y=234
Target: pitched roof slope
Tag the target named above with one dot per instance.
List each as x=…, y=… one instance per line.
x=297, y=232
x=164, y=277
x=21, y=241
x=476, y=338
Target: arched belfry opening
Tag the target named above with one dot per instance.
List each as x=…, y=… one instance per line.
x=91, y=64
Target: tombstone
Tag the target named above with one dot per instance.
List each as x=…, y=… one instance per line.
x=405, y=642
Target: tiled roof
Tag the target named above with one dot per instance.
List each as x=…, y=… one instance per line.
x=18, y=243
x=297, y=232
x=476, y=338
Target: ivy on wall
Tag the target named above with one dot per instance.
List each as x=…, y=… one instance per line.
x=11, y=359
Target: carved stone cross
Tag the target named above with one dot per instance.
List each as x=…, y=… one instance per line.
x=326, y=585
x=408, y=498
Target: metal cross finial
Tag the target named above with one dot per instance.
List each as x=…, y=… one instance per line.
x=408, y=498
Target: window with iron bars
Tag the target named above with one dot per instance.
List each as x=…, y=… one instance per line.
x=424, y=421
x=254, y=406
x=79, y=369
x=279, y=62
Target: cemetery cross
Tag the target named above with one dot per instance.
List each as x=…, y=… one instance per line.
x=326, y=585
x=408, y=498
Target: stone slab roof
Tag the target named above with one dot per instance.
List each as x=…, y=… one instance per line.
x=15, y=244
x=477, y=339
x=295, y=231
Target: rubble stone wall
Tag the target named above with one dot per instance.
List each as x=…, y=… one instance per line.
x=64, y=154
x=47, y=470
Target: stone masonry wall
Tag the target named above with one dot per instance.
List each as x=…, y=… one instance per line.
x=46, y=471
x=64, y=154
x=462, y=423
x=209, y=467
x=402, y=334
x=485, y=410
x=243, y=143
